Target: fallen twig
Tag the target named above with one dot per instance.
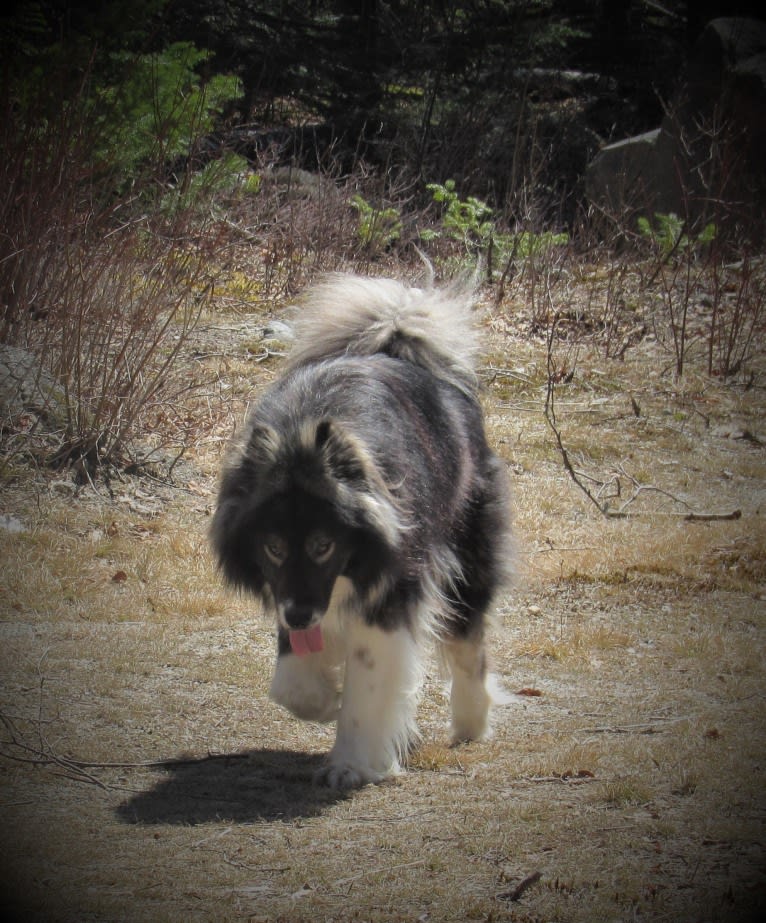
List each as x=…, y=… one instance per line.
x=713, y=517
x=515, y=893
x=644, y=727
x=597, y=493
x=493, y=372
x=576, y=778
x=44, y=756
x=378, y=870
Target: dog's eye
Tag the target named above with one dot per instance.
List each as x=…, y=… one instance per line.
x=320, y=547
x=276, y=549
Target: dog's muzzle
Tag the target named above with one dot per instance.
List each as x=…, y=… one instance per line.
x=297, y=615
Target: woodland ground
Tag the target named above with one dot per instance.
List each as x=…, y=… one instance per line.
x=145, y=776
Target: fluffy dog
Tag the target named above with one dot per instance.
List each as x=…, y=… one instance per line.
x=364, y=507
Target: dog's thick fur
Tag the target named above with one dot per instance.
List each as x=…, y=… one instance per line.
x=365, y=508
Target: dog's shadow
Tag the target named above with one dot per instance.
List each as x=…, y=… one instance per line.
x=259, y=785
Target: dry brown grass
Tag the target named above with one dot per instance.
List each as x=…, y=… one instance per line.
x=147, y=777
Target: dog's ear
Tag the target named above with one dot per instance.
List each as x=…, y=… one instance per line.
x=231, y=536
x=343, y=457
x=367, y=500
x=232, y=524
x=256, y=453
x=262, y=447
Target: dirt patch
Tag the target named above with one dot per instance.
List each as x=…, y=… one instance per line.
x=146, y=776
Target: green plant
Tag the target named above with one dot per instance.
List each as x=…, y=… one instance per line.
x=464, y=220
x=156, y=109
x=527, y=244
x=378, y=227
x=669, y=234
x=201, y=189
x=469, y=221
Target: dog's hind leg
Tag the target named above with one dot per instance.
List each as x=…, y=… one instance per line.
x=376, y=724
x=469, y=697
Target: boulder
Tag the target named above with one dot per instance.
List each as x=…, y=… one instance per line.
x=711, y=146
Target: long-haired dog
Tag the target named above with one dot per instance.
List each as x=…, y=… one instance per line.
x=363, y=506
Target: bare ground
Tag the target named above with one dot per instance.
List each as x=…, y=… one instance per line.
x=146, y=777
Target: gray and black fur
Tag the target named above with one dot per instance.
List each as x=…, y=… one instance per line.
x=363, y=495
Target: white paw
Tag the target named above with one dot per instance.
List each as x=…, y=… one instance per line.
x=470, y=714
x=305, y=689
x=471, y=708
x=344, y=776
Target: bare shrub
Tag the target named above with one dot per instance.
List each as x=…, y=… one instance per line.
x=711, y=291
x=112, y=341
x=737, y=303
x=103, y=295
x=297, y=224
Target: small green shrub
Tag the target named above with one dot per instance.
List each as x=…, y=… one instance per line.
x=469, y=221
x=203, y=188
x=157, y=108
x=378, y=227
x=668, y=234
x=465, y=220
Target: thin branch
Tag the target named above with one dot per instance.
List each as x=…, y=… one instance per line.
x=599, y=496
x=44, y=756
x=377, y=870
x=515, y=893
x=713, y=517
x=550, y=416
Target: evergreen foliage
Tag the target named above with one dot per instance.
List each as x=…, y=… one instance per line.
x=159, y=108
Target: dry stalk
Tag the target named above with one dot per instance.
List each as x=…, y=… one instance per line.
x=600, y=492
x=16, y=749
x=43, y=755
x=515, y=893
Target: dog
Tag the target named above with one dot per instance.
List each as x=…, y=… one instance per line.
x=363, y=505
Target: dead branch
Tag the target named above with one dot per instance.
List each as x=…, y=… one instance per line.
x=375, y=871
x=560, y=779
x=492, y=372
x=713, y=517
x=43, y=755
x=644, y=727
x=515, y=893
x=16, y=750
x=550, y=416
x=601, y=492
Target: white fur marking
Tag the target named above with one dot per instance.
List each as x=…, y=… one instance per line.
x=310, y=686
x=306, y=686
x=377, y=718
x=470, y=698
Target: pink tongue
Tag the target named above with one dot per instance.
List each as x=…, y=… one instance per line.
x=307, y=641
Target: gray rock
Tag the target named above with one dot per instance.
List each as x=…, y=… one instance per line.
x=711, y=145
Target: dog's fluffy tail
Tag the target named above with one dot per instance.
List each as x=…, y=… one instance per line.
x=347, y=315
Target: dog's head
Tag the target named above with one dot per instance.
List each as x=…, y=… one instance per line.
x=295, y=512
x=299, y=548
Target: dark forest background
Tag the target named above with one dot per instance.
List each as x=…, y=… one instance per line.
x=159, y=158
x=502, y=96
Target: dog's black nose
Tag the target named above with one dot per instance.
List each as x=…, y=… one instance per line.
x=298, y=615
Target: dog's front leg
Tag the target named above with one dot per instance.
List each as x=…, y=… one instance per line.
x=376, y=724
x=307, y=686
